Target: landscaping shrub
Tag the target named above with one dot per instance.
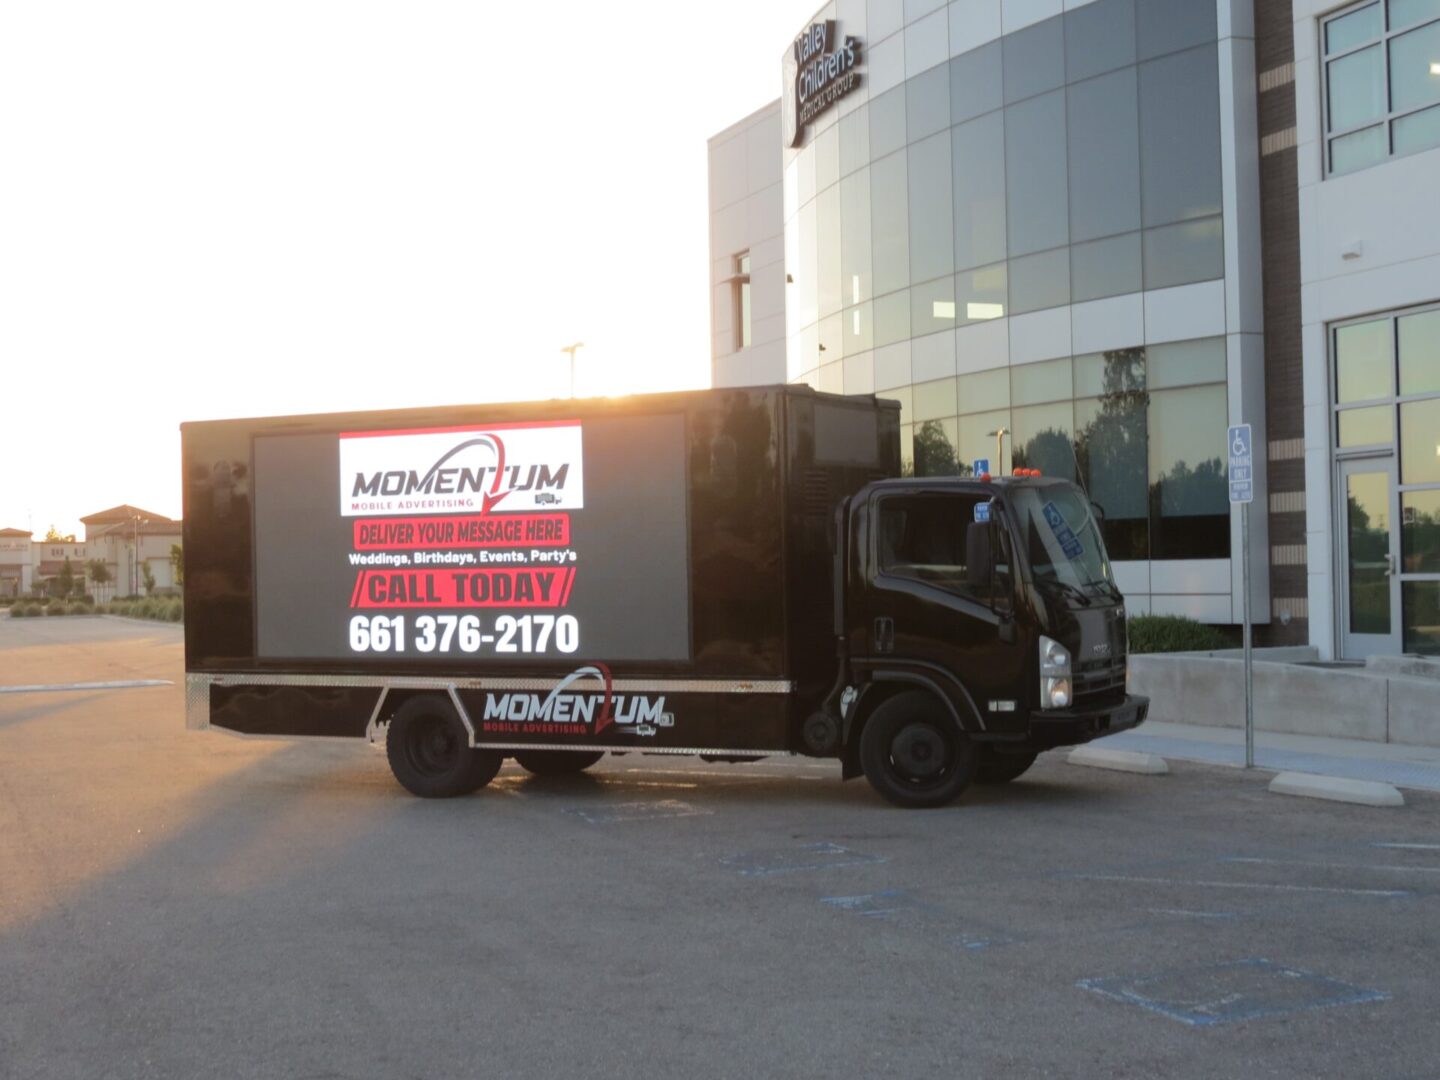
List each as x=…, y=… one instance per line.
x=23, y=609
x=79, y=607
x=159, y=608
x=55, y=607
x=1173, y=633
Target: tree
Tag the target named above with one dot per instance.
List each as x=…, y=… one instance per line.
x=98, y=573
x=1112, y=452
x=54, y=536
x=934, y=454
x=177, y=563
x=65, y=582
x=1050, y=451
x=148, y=577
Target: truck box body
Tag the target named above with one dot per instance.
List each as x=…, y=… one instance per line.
x=646, y=573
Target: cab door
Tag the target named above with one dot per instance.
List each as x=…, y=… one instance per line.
x=925, y=619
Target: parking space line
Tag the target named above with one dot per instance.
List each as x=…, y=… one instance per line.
x=116, y=684
x=1332, y=865
x=1260, y=885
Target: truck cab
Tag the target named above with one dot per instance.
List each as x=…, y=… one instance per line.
x=986, y=607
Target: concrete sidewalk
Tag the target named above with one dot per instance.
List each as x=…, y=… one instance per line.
x=1416, y=767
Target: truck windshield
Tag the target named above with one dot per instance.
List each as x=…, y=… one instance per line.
x=1060, y=538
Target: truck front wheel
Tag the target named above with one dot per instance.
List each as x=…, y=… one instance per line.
x=914, y=754
x=429, y=750
x=556, y=762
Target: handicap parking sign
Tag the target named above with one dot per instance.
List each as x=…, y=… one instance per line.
x=1069, y=542
x=1241, y=464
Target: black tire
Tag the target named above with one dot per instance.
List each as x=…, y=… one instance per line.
x=557, y=762
x=914, y=754
x=997, y=767
x=429, y=750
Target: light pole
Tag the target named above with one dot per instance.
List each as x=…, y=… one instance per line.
x=136, y=521
x=572, y=350
x=999, y=434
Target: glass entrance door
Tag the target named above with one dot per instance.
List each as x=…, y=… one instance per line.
x=1369, y=556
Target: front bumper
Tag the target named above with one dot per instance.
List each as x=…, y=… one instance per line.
x=1067, y=727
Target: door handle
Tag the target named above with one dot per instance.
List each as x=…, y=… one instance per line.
x=884, y=634
x=1389, y=565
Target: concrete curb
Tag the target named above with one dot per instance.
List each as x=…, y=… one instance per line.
x=1119, y=760
x=1337, y=789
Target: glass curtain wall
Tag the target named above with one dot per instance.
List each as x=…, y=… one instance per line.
x=1141, y=429
x=1073, y=160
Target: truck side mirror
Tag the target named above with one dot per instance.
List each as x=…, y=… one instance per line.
x=979, y=557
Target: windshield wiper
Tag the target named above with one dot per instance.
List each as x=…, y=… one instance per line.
x=1111, y=589
x=1068, y=589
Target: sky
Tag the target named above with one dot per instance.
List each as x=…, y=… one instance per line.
x=243, y=209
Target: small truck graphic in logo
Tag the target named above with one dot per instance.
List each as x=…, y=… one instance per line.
x=547, y=498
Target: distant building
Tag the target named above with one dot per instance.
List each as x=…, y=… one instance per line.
x=14, y=562
x=125, y=538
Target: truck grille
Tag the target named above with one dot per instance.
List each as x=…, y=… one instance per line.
x=1097, y=681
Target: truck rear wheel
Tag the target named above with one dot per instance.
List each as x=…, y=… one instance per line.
x=557, y=762
x=914, y=754
x=997, y=767
x=429, y=750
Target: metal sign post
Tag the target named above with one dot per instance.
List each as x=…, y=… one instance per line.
x=1242, y=491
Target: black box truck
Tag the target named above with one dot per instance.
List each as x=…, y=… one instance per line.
x=728, y=573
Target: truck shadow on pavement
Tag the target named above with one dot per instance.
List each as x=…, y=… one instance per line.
x=49, y=705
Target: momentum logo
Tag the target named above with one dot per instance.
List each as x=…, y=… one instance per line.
x=584, y=700
x=501, y=468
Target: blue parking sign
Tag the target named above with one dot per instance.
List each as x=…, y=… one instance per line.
x=1069, y=542
x=1239, y=450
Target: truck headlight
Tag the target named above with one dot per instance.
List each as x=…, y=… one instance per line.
x=1055, y=687
x=1057, y=693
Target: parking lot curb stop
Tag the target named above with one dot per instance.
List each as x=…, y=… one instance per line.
x=1337, y=789
x=1120, y=760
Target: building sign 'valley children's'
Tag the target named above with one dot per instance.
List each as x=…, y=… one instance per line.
x=819, y=71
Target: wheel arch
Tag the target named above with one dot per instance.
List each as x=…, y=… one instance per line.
x=885, y=684
x=393, y=697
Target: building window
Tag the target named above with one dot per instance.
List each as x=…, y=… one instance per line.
x=742, y=301
x=1382, y=82
x=1142, y=429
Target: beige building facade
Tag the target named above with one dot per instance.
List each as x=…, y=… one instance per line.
x=126, y=539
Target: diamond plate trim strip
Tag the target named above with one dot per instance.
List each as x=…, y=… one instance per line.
x=638, y=748
x=409, y=682
x=197, y=702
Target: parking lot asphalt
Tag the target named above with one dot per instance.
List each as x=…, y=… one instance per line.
x=191, y=904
